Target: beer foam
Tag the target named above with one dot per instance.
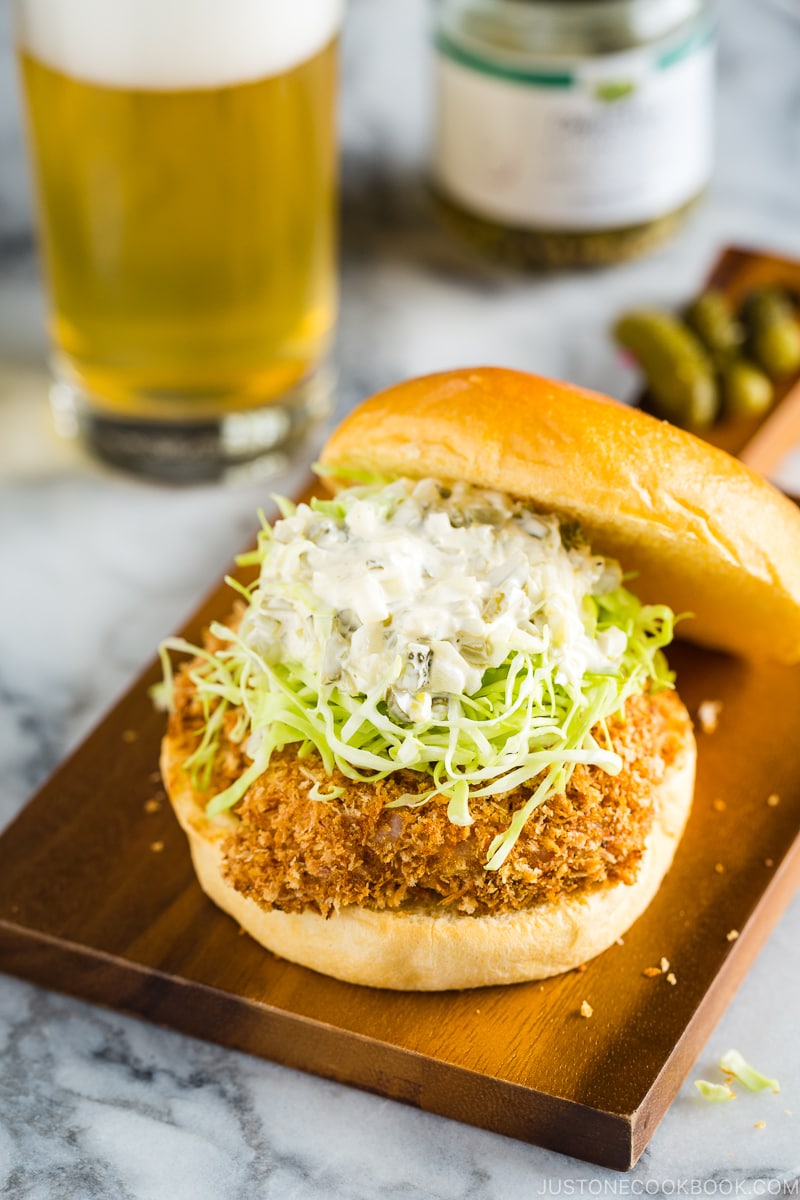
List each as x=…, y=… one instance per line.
x=175, y=44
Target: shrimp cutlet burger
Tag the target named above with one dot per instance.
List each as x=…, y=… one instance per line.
x=437, y=744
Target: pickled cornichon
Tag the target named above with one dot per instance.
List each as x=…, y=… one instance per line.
x=680, y=374
x=717, y=361
x=746, y=390
x=712, y=318
x=773, y=332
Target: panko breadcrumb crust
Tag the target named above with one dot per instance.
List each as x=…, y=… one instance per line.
x=293, y=853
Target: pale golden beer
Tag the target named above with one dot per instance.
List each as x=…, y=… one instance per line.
x=187, y=231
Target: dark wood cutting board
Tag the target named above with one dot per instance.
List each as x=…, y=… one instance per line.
x=98, y=899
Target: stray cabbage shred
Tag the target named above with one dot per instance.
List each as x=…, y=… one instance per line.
x=734, y=1064
x=443, y=629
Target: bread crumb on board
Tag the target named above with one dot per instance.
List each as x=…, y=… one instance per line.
x=156, y=847
x=130, y=735
x=153, y=805
x=663, y=968
x=773, y=800
x=732, y=935
x=708, y=715
x=586, y=1009
x=719, y=868
x=719, y=806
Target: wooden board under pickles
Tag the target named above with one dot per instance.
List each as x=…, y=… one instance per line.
x=764, y=439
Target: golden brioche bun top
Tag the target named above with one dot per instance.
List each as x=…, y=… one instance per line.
x=703, y=532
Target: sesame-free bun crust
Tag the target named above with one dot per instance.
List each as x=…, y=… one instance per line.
x=421, y=949
x=705, y=534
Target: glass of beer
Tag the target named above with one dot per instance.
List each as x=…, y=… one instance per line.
x=184, y=160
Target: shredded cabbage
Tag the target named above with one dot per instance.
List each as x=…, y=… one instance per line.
x=734, y=1064
x=714, y=1091
x=301, y=670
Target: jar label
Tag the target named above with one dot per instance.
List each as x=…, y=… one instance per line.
x=598, y=144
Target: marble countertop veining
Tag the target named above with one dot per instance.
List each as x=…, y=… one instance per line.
x=97, y=568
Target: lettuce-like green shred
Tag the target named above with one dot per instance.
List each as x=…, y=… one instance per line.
x=525, y=725
x=734, y=1064
x=715, y=1092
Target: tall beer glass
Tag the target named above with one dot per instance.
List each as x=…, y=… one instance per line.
x=184, y=160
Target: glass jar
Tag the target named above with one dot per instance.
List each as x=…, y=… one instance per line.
x=572, y=132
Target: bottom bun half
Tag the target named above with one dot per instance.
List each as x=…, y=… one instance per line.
x=431, y=949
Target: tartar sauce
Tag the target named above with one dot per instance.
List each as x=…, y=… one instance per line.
x=414, y=590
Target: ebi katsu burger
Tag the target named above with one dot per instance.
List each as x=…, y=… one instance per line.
x=437, y=744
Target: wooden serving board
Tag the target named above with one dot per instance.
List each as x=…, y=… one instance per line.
x=98, y=899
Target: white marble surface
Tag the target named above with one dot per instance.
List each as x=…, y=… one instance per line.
x=95, y=569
